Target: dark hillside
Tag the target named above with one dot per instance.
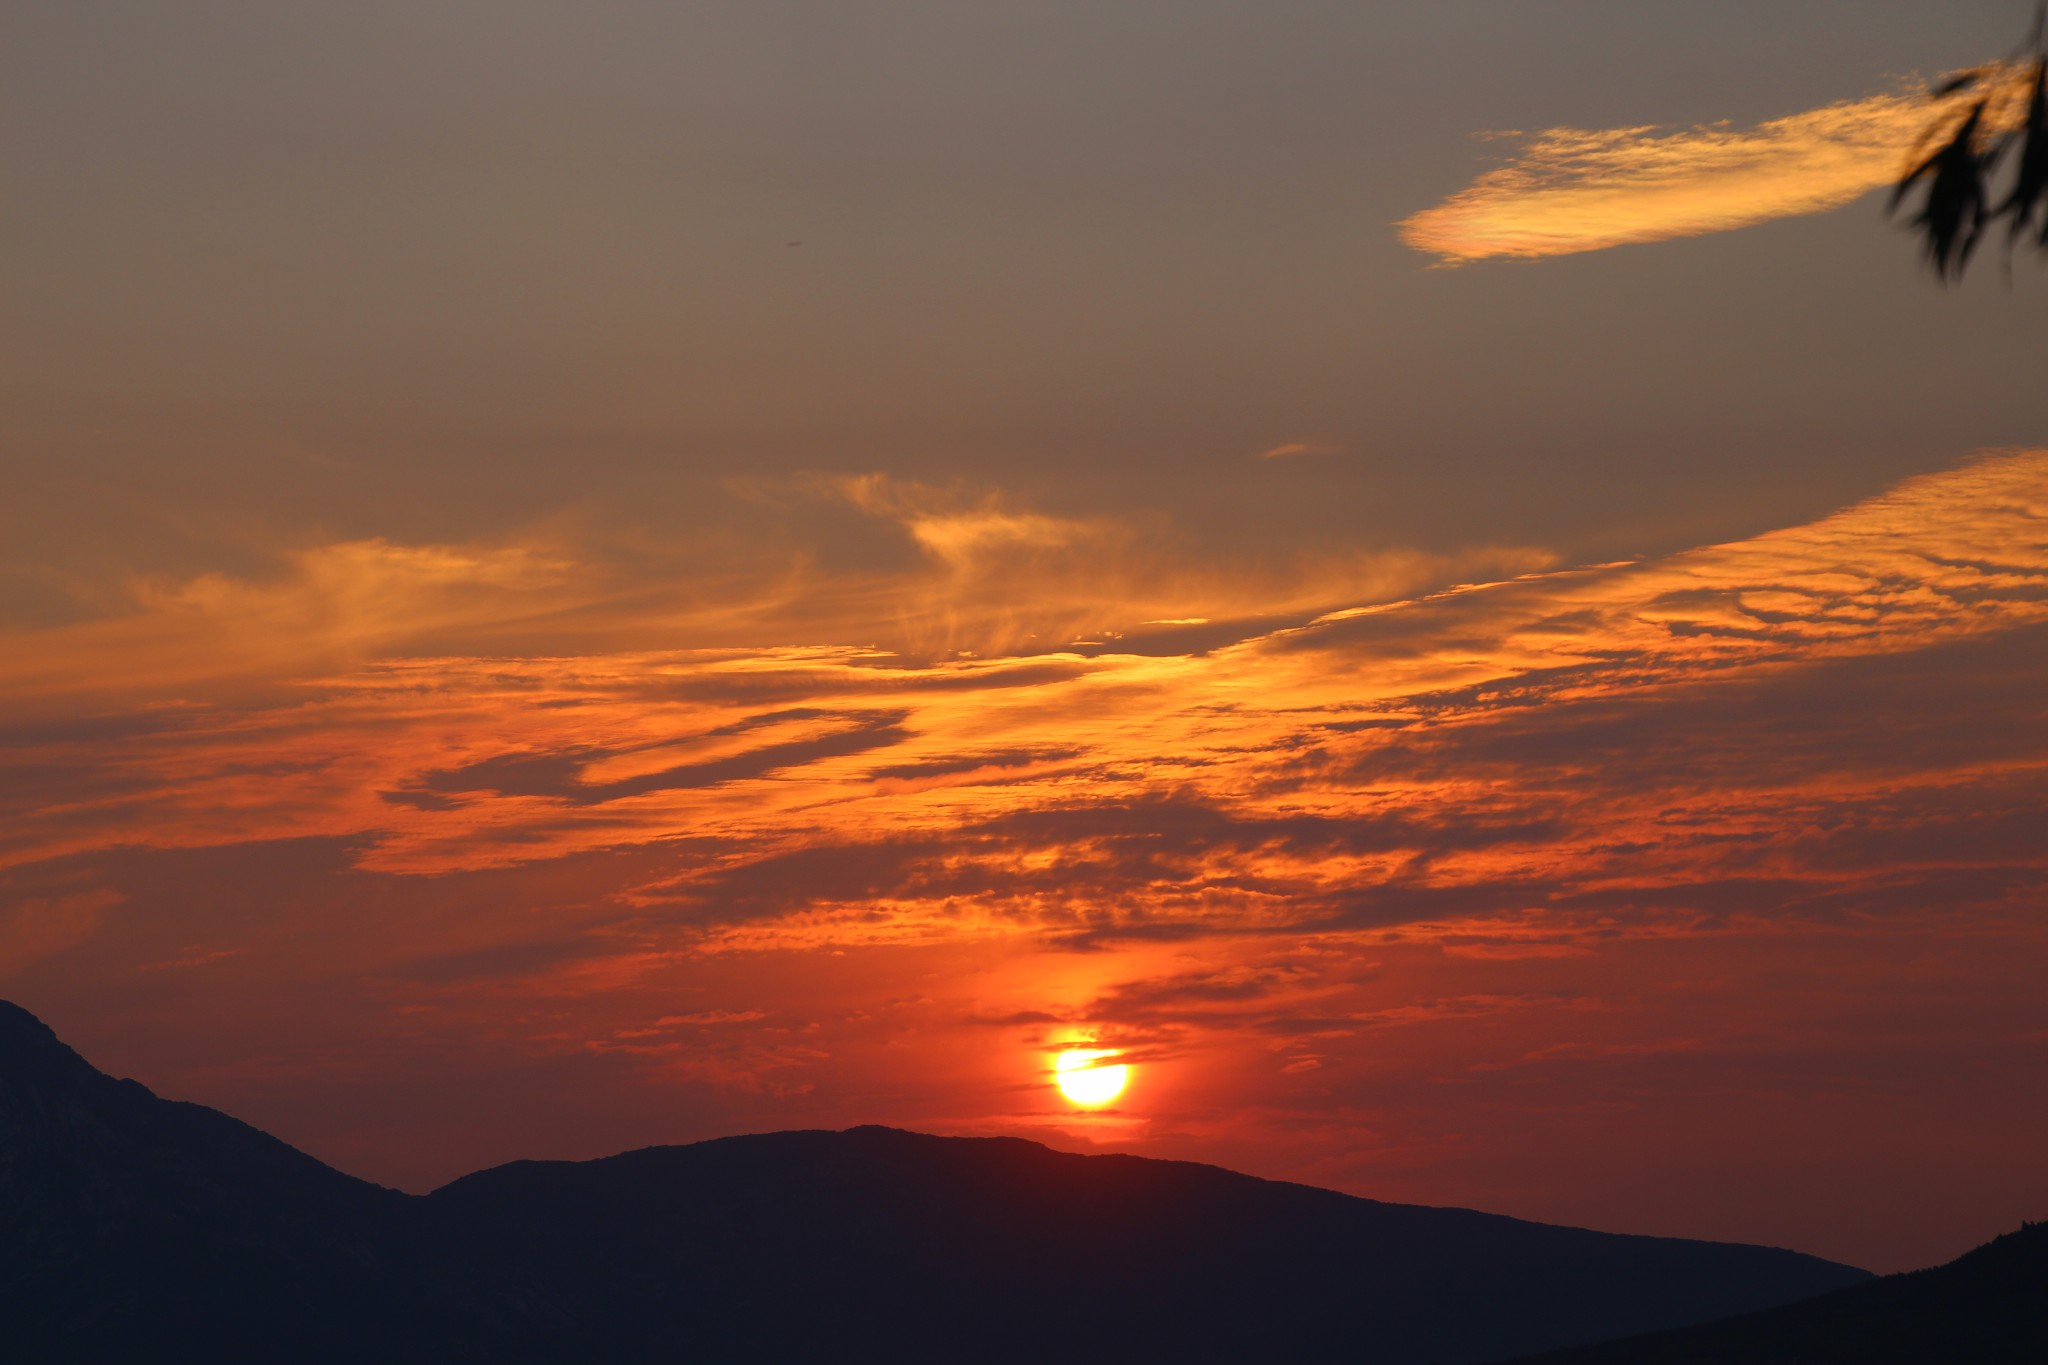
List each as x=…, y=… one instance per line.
x=936, y=1248
x=144, y=1229
x=1989, y=1307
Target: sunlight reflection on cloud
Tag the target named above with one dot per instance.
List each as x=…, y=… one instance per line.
x=1384, y=764
x=1576, y=189
x=1360, y=886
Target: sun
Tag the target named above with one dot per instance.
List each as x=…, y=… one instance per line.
x=1085, y=1080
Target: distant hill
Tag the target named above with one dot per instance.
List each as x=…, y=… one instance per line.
x=138, y=1230
x=1989, y=1307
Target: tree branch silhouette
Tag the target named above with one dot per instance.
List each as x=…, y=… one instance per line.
x=1956, y=181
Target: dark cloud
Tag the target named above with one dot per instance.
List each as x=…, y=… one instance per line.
x=1175, y=997
x=891, y=673
x=53, y=731
x=967, y=763
x=420, y=800
x=498, y=961
x=560, y=774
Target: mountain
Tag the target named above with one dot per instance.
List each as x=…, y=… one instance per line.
x=1989, y=1307
x=952, y=1248
x=134, y=1229
x=141, y=1230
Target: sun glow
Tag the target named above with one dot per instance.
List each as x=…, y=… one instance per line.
x=1084, y=1079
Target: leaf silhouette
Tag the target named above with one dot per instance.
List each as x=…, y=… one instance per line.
x=1952, y=215
x=2030, y=183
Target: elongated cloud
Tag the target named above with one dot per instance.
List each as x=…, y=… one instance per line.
x=973, y=574
x=1580, y=189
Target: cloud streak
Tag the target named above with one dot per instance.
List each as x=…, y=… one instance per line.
x=1571, y=190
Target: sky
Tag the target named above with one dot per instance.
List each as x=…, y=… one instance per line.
x=1433, y=576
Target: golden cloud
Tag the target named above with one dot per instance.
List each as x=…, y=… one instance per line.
x=987, y=577
x=1578, y=189
x=328, y=605
x=1358, y=742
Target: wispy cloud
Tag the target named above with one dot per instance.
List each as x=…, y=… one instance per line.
x=1293, y=449
x=1578, y=189
x=327, y=606
x=959, y=529
x=970, y=572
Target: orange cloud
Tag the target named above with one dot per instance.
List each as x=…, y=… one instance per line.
x=959, y=531
x=1577, y=189
x=1389, y=895
x=331, y=604
x=981, y=576
x=1247, y=756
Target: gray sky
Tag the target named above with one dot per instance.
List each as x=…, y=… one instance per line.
x=278, y=274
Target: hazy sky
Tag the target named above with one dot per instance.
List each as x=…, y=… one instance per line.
x=579, y=576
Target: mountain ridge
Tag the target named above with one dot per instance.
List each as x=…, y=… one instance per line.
x=147, y=1230
x=1983, y=1308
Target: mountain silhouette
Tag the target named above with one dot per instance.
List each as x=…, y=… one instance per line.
x=134, y=1228
x=142, y=1230
x=1988, y=1307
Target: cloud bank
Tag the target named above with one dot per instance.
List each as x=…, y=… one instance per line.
x=1371, y=895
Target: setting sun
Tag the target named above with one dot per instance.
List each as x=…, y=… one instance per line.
x=1369, y=593
x=1085, y=1080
